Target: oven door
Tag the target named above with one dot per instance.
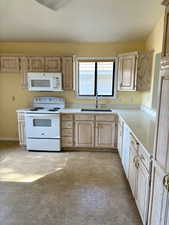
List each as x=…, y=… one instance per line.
x=43, y=125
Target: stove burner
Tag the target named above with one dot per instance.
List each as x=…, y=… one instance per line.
x=53, y=110
x=36, y=108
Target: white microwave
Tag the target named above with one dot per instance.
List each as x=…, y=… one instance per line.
x=44, y=81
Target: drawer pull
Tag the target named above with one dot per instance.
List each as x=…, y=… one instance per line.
x=166, y=182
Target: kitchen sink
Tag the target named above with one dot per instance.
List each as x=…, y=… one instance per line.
x=96, y=110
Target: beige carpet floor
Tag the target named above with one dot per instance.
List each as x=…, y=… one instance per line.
x=65, y=188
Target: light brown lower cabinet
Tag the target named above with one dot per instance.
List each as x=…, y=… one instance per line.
x=105, y=134
x=84, y=134
x=89, y=131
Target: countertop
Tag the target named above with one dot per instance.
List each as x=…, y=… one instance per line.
x=141, y=124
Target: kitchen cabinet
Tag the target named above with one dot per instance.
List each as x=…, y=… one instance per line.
x=139, y=177
x=120, y=137
x=143, y=189
x=159, y=203
x=21, y=128
x=125, y=149
x=89, y=130
x=105, y=131
x=67, y=130
x=105, y=134
x=84, y=131
x=52, y=64
x=36, y=64
x=134, y=71
x=159, y=210
x=67, y=69
x=133, y=166
x=24, y=69
x=127, y=66
x=10, y=64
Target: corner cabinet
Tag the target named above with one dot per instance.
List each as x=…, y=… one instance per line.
x=134, y=71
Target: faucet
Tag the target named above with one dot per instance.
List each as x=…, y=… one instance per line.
x=97, y=100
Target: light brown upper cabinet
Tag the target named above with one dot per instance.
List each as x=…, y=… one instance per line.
x=134, y=71
x=36, y=64
x=53, y=64
x=165, y=51
x=67, y=69
x=127, y=66
x=10, y=64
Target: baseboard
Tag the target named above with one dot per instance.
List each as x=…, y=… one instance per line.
x=8, y=139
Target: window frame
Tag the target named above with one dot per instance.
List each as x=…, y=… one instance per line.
x=96, y=59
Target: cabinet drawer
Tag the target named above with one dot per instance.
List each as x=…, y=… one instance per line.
x=144, y=157
x=84, y=117
x=67, y=117
x=67, y=142
x=67, y=124
x=134, y=142
x=109, y=118
x=67, y=132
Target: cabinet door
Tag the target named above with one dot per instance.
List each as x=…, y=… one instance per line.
x=162, y=150
x=36, y=64
x=67, y=69
x=53, y=64
x=21, y=129
x=126, y=149
x=127, y=73
x=10, y=64
x=120, y=138
x=84, y=133
x=24, y=69
x=105, y=134
x=132, y=172
x=143, y=188
x=158, y=214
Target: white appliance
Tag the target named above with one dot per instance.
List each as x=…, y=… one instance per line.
x=42, y=124
x=44, y=81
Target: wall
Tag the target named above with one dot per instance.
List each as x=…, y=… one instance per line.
x=154, y=41
x=13, y=97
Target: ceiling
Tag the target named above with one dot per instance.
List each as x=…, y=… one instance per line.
x=79, y=21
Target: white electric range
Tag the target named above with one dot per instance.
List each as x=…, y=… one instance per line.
x=42, y=124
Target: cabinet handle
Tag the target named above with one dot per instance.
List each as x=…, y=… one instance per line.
x=166, y=182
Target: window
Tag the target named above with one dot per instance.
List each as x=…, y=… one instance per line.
x=96, y=77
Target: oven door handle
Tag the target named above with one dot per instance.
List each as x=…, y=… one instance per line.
x=45, y=116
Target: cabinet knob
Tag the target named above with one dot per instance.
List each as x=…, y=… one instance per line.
x=166, y=182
